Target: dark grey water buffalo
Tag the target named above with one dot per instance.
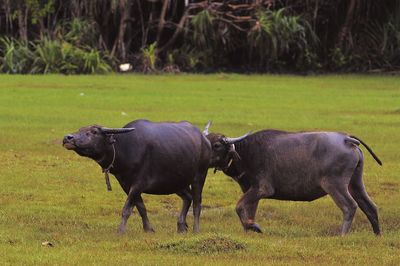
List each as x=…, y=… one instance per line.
x=152, y=158
x=300, y=166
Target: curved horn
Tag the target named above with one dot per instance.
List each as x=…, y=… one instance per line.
x=205, y=131
x=233, y=140
x=107, y=130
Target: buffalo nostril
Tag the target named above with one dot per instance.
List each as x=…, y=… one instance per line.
x=68, y=138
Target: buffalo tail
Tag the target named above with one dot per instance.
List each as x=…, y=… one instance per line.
x=369, y=149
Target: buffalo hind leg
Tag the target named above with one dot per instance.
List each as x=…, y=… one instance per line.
x=187, y=201
x=143, y=213
x=341, y=196
x=357, y=190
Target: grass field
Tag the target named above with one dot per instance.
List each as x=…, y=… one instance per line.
x=50, y=194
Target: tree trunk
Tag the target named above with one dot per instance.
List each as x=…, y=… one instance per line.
x=345, y=30
x=23, y=23
x=178, y=30
x=119, y=45
x=144, y=35
x=162, y=20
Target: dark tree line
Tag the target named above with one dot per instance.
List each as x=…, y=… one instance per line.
x=199, y=35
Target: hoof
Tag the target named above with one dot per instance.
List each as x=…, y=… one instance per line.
x=182, y=227
x=253, y=227
x=378, y=233
x=148, y=230
x=121, y=231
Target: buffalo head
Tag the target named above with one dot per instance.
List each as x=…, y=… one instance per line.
x=223, y=148
x=92, y=141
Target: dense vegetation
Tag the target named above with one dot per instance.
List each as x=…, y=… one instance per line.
x=86, y=36
x=50, y=194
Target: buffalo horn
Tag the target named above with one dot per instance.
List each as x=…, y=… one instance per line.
x=205, y=131
x=233, y=140
x=116, y=130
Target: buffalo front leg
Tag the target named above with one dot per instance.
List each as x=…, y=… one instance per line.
x=246, y=209
x=127, y=210
x=143, y=213
x=197, y=189
x=187, y=201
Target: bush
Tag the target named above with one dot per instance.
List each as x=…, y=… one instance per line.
x=378, y=46
x=149, y=58
x=276, y=36
x=15, y=56
x=48, y=57
x=51, y=56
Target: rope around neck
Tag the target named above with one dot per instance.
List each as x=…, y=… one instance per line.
x=107, y=170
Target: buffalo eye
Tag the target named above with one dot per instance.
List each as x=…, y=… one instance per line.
x=217, y=145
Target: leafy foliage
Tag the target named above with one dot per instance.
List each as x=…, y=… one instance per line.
x=50, y=56
x=15, y=56
x=187, y=58
x=203, y=35
x=284, y=35
x=79, y=32
x=149, y=58
x=381, y=46
x=276, y=35
x=94, y=62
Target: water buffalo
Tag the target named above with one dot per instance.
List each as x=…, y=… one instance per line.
x=152, y=158
x=301, y=166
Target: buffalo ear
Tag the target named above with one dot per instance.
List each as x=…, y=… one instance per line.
x=111, y=139
x=107, y=130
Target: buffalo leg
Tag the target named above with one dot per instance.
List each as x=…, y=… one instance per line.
x=127, y=210
x=357, y=190
x=341, y=196
x=246, y=210
x=187, y=201
x=197, y=189
x=143, y=213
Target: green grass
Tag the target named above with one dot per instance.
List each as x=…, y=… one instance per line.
x=50, y=194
